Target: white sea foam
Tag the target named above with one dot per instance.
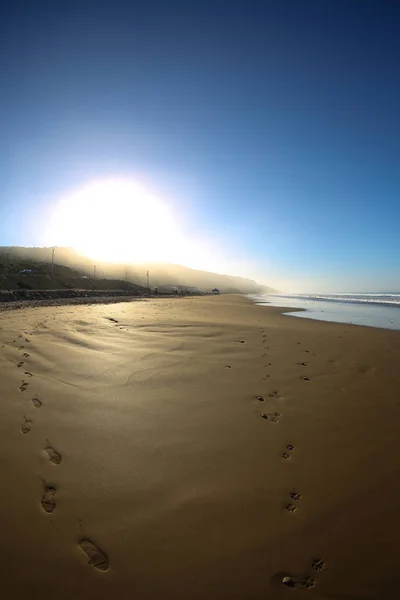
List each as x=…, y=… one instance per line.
x=372, y=309
x=365, y=298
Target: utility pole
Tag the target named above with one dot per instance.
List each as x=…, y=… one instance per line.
x=148, y=282
x=52, y=260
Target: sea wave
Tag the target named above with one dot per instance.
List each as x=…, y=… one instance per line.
x=388, y=299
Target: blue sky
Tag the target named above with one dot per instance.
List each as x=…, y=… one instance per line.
x=270, y=128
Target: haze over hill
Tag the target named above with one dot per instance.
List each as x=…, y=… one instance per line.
x=160, y=274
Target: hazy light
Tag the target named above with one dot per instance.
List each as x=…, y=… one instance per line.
x=114, y=221
x=121, y=221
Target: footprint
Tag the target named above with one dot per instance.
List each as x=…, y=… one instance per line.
x=273, y=394
x=305, y=378
x=240, y=341
x=23, y=386
x=25, y=427
x=366, y=370
x=26, y=340
x=295, y=496
x=260, y=398
x=273, y=417
x=48, y=503
x=97, y=558
x=19, y=365
x=36, y=402
x=28, y=374
x=288, y=452
x=228, y=367
x=299, y=582
x=54, y=456
x=303, y=364
x=308, y=582
x=111, y=319
x=26, y=355
x=318, y=564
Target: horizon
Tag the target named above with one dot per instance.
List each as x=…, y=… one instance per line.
x=258, y=140
x=159, y=264
x=353, y=293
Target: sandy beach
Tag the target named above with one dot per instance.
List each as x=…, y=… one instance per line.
x=200, y=448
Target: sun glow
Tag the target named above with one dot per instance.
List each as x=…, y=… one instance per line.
x=116, y=221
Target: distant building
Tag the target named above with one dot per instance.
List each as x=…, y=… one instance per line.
x=215, y=291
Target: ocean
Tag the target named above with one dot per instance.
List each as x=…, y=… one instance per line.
x=370, y=309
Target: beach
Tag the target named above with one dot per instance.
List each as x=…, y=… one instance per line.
x=199, y=448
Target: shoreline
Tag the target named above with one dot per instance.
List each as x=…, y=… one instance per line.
x=202, y=449
x=371, y=315
x=341, y=300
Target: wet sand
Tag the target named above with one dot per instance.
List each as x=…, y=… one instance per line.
x=199, y=448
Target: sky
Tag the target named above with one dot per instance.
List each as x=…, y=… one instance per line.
x=268, y=130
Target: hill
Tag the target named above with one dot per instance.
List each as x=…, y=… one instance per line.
x=69, y=268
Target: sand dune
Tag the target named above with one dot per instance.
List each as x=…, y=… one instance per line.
x=197, y=448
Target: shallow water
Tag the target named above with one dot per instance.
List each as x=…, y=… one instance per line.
x=372, y=310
